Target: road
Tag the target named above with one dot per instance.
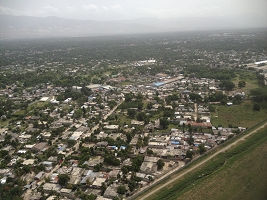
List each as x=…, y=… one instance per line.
x=200, y=163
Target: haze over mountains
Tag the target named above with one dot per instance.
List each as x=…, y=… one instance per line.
x=17, y=27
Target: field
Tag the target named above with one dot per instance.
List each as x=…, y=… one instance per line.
x=238, y=173
x=237, y=115
x=249, y=77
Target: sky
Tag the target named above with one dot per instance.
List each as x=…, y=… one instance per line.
x=109, y=10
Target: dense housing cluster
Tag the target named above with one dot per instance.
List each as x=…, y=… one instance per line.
x=103, y=118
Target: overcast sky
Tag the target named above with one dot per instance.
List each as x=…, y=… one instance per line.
x=105, y=10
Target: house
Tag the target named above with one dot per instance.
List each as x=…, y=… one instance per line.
x=28, y=162
x=76, y=175
x=76, y=135
x=111, y=127
x=53, y=159
x=40, y=146
x=39, y=176
x=148, y=167
x=48, y=187
x=200, y=125
x=111, y=192
x=47, y=163
x=98, y=182
x=94, y=161
x=102, y=144
x=54, y=178
x=67, y=193
x=114, y=173
x=159, y=145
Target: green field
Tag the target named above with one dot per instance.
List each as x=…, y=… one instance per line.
x=238, y=173
x=249, y=77
x=237, y=115
x=38, y=105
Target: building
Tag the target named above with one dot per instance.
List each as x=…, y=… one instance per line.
x=48, y=187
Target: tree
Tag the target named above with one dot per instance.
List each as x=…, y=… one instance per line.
x=241, y=84
x=141, y=116
x=103, y=188
x=140, y=105
x=164, y=123
x=160, y=164
x=121, y=189
x=195, y=97
x=128, y=97
x=63, y=179
x=256, y=107
x=202, y=149
x=71, y=143
x=77, y=114
x=132, y=185
x=168, y=113
x=139, y=96
x=223, y=102
x=124, y=170
x=227, y=85
x=189, y=154
x=149, y=152
x=190, y=140
x=131, y=113
x=149, y=105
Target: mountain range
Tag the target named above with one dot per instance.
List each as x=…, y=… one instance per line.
x=16, y=27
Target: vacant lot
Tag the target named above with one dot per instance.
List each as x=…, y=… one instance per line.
x=237, y=115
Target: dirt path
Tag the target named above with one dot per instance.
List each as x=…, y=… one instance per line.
x=202, y=162
x=195, y=114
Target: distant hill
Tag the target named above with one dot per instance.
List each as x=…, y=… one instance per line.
x=13, y=27
x=28, y=27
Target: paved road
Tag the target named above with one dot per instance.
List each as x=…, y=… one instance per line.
x=200, y=163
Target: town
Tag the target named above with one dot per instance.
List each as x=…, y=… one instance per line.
x=105, y=121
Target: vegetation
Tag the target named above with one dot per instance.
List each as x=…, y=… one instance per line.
x=160, y=164
x=63, y=179
x=238, y=115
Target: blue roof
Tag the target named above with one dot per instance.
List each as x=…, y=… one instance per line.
x=158, y=84
x=175, y=142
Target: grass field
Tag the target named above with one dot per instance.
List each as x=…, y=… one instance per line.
x=239, y=173
x=237, y=115
x=38, y=105
x=249, y=77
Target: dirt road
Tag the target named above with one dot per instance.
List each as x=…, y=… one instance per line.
x=200, y=163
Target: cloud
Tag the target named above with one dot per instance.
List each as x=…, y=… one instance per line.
x=105, y=8
x=50, y=9
x=70, y=8
x=116, y=7
x=90, y=7
x=180, y=11
x=43, y=12
x=10, y=11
